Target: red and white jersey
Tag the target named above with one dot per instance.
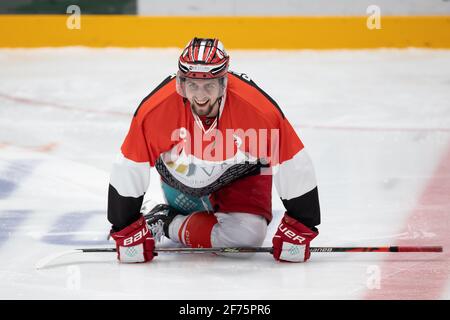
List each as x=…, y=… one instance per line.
x=232, y=157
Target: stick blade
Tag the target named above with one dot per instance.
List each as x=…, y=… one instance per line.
x=46, y=260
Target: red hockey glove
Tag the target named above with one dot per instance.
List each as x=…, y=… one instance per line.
x=291, y=241
x=134, y=243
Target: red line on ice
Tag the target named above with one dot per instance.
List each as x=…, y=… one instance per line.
x=60, y=106
x=297, y=126
x=415, y=275
x=376, y=129
x=46, y=148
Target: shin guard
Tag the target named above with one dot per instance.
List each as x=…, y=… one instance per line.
x=195, y=232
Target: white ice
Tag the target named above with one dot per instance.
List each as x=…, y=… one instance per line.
x=376, y=124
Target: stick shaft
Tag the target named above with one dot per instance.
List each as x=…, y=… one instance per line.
x=379, y=249
x=270, y=249
x=44, y=262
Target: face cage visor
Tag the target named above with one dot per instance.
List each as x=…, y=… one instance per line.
x=181, y=84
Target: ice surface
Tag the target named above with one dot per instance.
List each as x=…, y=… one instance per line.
x=376, y=124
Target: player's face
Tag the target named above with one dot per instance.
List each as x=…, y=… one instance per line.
x=203, y=94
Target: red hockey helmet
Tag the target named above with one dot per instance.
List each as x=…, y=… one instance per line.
x=202, y=59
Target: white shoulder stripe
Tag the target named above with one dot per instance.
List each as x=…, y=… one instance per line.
x=295, y=177
x=129, y=178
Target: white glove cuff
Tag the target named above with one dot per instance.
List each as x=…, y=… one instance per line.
x=293, y=252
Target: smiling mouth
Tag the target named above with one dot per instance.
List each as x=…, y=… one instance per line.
x=202, y=103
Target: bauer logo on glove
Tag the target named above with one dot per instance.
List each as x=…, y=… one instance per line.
x=134, y=243
x=291, y=241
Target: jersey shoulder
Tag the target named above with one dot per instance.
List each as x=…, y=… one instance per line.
x=245, y=88
x=163, y=95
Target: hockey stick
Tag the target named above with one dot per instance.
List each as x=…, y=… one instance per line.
x=45, y=261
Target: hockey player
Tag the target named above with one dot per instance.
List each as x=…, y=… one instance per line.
x=217, y=141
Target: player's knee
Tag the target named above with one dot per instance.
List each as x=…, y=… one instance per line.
x=239, y=230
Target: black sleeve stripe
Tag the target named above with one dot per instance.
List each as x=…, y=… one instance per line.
x=305, y=208
x=246, y=79
x=122, y=211
x=162, y=84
